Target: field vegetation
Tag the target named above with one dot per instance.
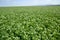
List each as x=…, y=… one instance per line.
x=30, y=23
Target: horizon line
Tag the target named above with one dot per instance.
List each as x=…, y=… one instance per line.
x=29, y=5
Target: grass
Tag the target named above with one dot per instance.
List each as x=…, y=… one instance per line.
x=30, y=23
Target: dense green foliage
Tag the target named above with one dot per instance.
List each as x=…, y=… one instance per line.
x=30, y=23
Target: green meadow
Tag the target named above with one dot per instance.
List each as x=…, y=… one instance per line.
x=30, y=23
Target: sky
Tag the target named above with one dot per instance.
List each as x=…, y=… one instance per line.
x=28, y=2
